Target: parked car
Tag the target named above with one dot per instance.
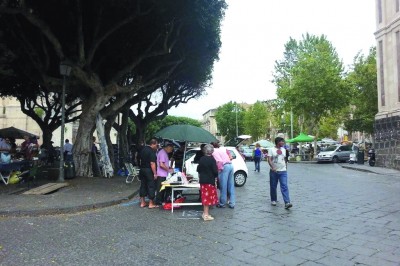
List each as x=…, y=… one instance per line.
x=239, y=165
x=247, y=153
x=335, y=153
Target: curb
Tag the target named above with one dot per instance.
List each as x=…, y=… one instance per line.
x=359, y=169
x=67, y=210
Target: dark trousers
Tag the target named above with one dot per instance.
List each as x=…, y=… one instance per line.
x=147, y=184
x=257, y=163
x=160, y=197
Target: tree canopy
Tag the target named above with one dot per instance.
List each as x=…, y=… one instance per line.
x=364, y=93
x=117, y=50
x=229, y=118
x=310, y=80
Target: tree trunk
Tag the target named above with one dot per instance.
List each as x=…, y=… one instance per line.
x=47, y=136
x=140, y=137
x=123, y=138
x=107, y=132
x=83, y=143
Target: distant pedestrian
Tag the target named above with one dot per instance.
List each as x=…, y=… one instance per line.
x=148, y=173
x=278, y=172
x=257, y=154
x=208, y=173
x=68, y=151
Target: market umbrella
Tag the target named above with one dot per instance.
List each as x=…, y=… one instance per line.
x=301, y=138
x=186, y=133
x=264, y=143
x=12, y=132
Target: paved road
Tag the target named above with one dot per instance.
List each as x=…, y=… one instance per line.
x=340, y=217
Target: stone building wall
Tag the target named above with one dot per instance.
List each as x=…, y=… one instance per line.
x=387, y=120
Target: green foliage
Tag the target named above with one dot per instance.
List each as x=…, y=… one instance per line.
x=309, y=80
x=39, y=112
x=364, y=100
x=256, y=120
x=226, y=117
x=169, y=120
x=329, y=126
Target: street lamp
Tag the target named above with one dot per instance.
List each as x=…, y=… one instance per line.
x=65, y=70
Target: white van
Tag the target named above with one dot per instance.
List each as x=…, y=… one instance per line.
x=335, y=153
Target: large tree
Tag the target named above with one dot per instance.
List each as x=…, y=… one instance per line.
x=256, y=120
x=117, y=49
x=310, y=81
x=229, y=118
x=364, y=93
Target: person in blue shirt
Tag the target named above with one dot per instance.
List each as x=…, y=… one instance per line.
x=257, y=155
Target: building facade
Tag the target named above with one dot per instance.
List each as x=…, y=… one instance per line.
x=210, y=124
x=387, y=120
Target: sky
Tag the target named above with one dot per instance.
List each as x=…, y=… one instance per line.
x=253, y=36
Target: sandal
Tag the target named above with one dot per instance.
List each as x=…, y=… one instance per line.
x=207, y=217
x=143, y=205
x=153, y=207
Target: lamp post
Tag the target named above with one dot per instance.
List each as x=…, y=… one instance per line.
x=65, y=70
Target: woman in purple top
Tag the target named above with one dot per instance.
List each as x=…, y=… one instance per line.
x=162, y=170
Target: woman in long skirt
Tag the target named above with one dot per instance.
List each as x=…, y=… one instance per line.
x=208, y=174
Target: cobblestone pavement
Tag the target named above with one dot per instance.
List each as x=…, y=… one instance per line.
x=340, y=217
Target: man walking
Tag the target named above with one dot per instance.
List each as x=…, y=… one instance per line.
x=148, y=173
x=278, y=172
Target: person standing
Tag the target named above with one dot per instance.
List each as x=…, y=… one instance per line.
x=257, y=153
x=225, y=176
x=163, y=170
x=148, y=173
x=25, y=148
x=5, y=149
x=68, y=151
x=177, y=157
x=278, y=172
x=199, y=154
x=208, y=173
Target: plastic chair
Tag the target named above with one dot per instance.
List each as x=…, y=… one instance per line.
x=132, y=173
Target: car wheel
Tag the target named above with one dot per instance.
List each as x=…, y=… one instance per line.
x=240, y=178
x=335, y=159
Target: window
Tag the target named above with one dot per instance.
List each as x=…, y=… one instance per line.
x=380, y=11
x=397, y=3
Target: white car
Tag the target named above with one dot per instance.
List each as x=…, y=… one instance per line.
x=239, y=165
x=335, y=153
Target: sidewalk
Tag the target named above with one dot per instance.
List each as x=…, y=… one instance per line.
x=83, y=193
x=371, y=169
x=363, y=167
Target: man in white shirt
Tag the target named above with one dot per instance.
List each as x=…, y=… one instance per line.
x=278, y=172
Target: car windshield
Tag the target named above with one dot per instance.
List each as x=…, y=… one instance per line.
x=190, y=153
x=331, y=148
